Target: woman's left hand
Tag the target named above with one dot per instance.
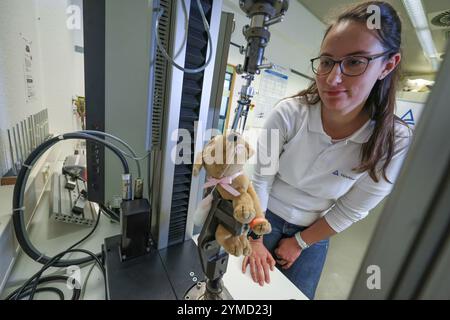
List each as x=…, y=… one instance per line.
x=287, y=252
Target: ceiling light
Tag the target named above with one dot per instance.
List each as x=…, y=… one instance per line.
x=419, y=20
x=416, y=13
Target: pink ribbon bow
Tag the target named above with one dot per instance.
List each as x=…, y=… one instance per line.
x=225, y=183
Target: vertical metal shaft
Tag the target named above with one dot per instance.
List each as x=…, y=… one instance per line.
x=11, y=153
x=17, y=163
x=20, y=143
x=24, y=139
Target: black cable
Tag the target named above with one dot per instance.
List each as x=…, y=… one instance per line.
x=19, y=190
x=32, y=283
x=50, y=264
x=49, y=289
x=114, y=216
x=29, y=285
x=16, y=295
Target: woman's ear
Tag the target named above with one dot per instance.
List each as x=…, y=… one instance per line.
x=390, y=66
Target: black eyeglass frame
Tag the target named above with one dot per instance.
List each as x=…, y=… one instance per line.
x=369, y=59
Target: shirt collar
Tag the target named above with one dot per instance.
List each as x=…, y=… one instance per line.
x=362, y=135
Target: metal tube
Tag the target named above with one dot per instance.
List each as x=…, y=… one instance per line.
x=17, y=162
x=24, y=138
x=126, y=187
x=33, y=132
x=11, y=153
x=36, y=129
x=30, y=134
x=20, y=143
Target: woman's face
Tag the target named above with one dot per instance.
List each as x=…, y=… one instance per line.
x=342, y=93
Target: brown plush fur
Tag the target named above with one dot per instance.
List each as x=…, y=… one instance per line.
x=246, y=205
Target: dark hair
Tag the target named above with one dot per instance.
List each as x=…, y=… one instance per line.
x=381, y=101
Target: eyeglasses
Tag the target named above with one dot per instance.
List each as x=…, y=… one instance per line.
x=351, y=66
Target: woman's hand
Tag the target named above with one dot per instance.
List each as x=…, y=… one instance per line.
x=287, y=252
x=261, y=262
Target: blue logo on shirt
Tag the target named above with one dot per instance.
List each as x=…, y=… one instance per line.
x=408, y=117
x=336, y=173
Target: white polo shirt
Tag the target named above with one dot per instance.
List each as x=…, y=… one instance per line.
x=314, y=175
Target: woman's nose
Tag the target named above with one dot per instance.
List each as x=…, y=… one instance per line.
x=335, y=76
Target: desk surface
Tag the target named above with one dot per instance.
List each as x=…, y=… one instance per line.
x=242, y=287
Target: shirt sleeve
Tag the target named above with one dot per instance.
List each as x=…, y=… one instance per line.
x=272, y=137
x=366, y=193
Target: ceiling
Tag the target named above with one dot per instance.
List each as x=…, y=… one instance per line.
x=414, y=60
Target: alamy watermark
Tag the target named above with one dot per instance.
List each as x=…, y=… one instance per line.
x=264, y=144
x=374, y=280
x=73, y=21
x=374, y=20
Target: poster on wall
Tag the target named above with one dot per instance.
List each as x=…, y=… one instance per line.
x=30, y=86
x=272, y=88
x=409, y=111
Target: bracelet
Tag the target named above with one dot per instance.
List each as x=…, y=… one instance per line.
x=253, y=235
x=301, y=242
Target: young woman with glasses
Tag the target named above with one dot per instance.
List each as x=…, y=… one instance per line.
x=340, y=147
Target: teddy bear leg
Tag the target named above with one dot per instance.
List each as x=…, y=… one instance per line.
x=234, y=245
x=263, y=226
x=244, y=212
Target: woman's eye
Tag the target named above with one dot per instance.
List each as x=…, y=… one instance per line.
x=355, y=62
x=325, y=63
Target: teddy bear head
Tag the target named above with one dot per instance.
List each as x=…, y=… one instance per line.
x=223, y=153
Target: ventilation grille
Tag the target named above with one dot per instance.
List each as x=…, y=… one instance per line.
x=196, y=50
x=160, y=74
x=439, y=20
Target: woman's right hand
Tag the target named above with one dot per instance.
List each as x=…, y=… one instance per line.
x=261, y=262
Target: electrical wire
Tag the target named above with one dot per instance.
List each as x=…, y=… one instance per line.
x=20, y=294
x=35, y=280
x=19, y=190
x=32, y=283
x=163, y=50
x=130, y=149
x=86, y=278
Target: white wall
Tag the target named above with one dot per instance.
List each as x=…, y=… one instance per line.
x=17, y=20
x=57, y=69
x=292, y=44
x=61, y=65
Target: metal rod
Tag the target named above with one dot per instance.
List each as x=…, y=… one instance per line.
x=36, y=129
x=24, y=138
x=20, y=143
x=17, y=163
x=11, y=152
x=47, y=128
x=33, y=133
x=30, y=134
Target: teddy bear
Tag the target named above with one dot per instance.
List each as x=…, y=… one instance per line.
x=223, y=158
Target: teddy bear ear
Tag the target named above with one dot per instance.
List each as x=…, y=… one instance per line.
x=198, y=164
x=250, y=150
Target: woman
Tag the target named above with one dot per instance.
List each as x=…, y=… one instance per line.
x=340, y=147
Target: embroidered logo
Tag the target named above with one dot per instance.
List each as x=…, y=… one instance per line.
x=343, y=175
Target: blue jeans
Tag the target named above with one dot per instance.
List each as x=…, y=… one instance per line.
x=306, y=270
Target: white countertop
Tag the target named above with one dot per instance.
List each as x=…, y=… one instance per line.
x=242, y=287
